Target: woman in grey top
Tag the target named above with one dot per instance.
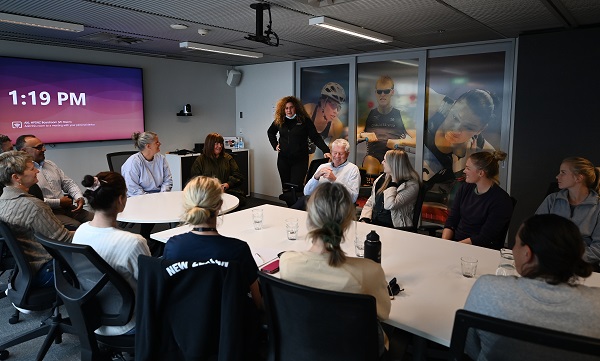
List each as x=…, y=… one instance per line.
x=548, y=255
x=578, y=201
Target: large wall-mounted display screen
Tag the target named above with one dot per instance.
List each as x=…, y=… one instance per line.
x=62, y=102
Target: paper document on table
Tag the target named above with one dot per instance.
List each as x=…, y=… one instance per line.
x=264, y=255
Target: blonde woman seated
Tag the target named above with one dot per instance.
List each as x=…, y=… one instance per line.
x=547, y=252
x=201, y=203
x=325, y=265
x=578, y=201
x=394, y=193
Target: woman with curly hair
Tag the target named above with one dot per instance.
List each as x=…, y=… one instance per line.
x=325, y=266
x=295, y=128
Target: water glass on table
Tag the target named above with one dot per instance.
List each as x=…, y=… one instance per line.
x=359, y=246
x=291, y=227
x=507, y=263
x=468, y=266
x=257, y=218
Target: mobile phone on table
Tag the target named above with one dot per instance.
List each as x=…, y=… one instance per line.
x=271, y=267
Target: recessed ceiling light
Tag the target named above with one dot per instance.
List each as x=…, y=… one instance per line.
x=349, y=29
x=178, y=26
x=41, y=23
x=219, y=49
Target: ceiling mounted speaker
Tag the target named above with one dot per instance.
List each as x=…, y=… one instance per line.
x=234, y=77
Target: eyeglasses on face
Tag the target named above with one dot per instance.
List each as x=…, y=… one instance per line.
x=384, y=91
x=39, y=146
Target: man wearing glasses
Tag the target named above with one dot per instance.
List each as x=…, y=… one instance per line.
x=60, y=192
x=383, y=123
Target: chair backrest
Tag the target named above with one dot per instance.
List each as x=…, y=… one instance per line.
x=313, y=166
x=7, y=261
x=88, y=285
x=306, y=323
x=417, y=211
x=21, y=291
x=517, y=334
x=117, y=159
x=193, y=311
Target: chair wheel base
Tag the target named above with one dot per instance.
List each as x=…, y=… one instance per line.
x=4, y=354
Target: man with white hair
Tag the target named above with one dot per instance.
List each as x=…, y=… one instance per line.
x=338, y=170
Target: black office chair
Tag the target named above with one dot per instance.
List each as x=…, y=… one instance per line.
x=117, y=159
x=417, y=213
x=306, y=323
x=94, y=294
x=7, y=263
x=518, y=336
x=22, y=295
x=290, y=197
x=193, y=311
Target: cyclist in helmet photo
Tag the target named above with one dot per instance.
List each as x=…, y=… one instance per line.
x=324, y=113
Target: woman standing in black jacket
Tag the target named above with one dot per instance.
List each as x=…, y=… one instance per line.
x=294, y=127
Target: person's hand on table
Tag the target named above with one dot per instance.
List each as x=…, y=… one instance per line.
x=466, y=241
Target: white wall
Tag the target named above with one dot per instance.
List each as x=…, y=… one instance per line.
x=168, y=85
x=261, y=87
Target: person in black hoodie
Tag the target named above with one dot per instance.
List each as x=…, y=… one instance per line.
x=295, y=128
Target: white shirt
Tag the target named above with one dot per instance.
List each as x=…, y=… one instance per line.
x=346, y=174
x=54, y=183
x=120, y=249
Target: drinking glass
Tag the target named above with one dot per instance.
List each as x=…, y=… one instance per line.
x=291, y=227
x=468, y=266
x=507, y=263
x=257, y=218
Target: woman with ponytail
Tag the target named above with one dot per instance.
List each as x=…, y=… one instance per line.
x=330, y=212
x=548, y=255
x=106, y=193
x=481, y=211
x=578, y=201
x=201, y=203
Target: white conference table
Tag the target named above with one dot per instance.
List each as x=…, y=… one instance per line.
x=163, y=207
x=427, y=268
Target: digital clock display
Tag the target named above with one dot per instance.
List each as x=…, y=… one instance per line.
x=64, y=102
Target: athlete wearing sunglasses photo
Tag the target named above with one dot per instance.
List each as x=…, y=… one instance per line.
x=383, y=124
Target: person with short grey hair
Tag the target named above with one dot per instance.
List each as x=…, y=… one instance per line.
x=26, y=214
x=339, y=170
x=146, y=171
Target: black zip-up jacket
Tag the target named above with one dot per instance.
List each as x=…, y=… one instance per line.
x=293, y=137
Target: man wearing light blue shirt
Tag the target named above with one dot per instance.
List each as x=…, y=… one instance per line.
x=60, y=192
x=338, y=170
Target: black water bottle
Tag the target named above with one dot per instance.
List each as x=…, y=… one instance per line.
x=373, y=247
